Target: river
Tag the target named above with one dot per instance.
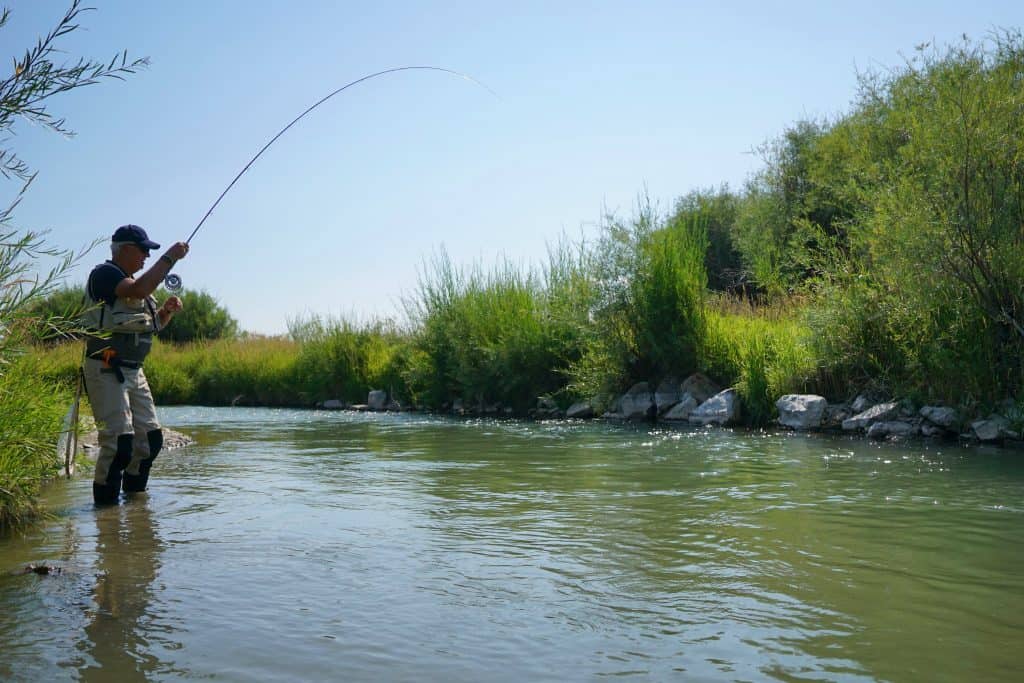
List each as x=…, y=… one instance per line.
x=333, y=546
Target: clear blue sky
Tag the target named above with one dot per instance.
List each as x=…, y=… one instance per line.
x=597, y=101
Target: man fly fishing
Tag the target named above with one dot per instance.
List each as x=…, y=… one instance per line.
x=124, y=317
x=127, y=316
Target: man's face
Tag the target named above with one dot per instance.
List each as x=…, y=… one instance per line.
x=133, y=258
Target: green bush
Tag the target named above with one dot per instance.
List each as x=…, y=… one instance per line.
x=647, y=308
x=31, y=412
x=493, y=337
x=344, y=360
x=719, y=209
x=764, y=354
x=201, y=318
x=924, y=295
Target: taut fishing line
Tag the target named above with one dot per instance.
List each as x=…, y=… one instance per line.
x=173, y=282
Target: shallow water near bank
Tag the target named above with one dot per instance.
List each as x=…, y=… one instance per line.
x=289, y=545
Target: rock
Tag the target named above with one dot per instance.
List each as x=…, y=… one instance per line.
x=861, y=403
x=995, y=428
x=700, y=387
x=580, y=409
x=906, y=410
x=377, y=399
x=546, y=403
x=681, y=411
x=667, y=395
x=941, y=416
x=879, y=413
x=722, y=408
x=333, y=404
x=393, y=406
x=174, y=439
x=931, y=431
x=458, y=407
x=637, y=403
x=835, y=413
x=801, y=411
x=891, y=428
x=546, y=408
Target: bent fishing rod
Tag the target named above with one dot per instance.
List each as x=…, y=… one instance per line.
x=173, y=282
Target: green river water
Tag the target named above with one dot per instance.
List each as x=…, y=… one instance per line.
x=331, y=546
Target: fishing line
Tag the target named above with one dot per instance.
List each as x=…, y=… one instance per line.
x=173, y=282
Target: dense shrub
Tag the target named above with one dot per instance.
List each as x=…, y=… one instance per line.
x=934, y=162
x=719, y=209
x=487, y=338
x=344, y=360
x=647, y=307
x=201, y=317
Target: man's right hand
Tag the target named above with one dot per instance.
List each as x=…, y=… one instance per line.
x=178, y=250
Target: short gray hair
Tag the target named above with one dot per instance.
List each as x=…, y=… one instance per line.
x=115, y=247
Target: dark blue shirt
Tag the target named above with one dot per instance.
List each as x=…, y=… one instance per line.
x=103, y=280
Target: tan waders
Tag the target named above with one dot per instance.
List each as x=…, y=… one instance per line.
x=129, y=433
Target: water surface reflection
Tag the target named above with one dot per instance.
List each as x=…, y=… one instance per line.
x=331, y=546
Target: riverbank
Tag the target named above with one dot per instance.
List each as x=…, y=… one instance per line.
x=696, y=401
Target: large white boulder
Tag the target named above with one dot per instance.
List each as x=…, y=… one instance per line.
x=801, y=411
x=721, y=409
x=995, y=428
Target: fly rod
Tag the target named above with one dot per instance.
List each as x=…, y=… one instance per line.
x=173, y=282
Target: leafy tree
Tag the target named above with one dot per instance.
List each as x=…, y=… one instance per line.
x=793, y=207
x=201, y=318
x=933, y=171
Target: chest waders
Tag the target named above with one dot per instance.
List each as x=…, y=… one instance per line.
x=123, y=337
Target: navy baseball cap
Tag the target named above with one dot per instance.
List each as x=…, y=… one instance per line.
x=135, y=235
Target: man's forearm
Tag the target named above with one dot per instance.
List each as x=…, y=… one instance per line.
x=148, y=282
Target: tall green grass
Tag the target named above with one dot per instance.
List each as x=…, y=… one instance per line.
x=763, y=353
x=646, y=301
x=497, y=337
x=324, y=359
x=341, y=359
x=254, y=371
x=32, y=408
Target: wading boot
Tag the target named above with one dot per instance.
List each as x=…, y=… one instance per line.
x=136, y=483
x=106, y=493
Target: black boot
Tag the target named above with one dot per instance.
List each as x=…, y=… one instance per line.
x=136, y=483
x=105, y=494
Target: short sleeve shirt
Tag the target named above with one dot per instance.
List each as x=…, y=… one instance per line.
x=103, y=280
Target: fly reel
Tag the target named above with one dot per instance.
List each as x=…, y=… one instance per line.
x=173, y=283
